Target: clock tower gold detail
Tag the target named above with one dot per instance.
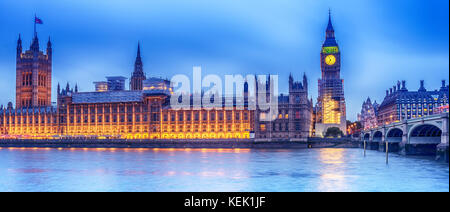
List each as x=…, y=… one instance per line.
x=330, y=60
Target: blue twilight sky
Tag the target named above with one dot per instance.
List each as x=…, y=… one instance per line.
x=381, y=41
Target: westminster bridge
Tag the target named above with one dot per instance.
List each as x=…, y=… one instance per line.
x=419, y=136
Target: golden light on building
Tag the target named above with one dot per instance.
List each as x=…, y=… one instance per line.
x=331, y=114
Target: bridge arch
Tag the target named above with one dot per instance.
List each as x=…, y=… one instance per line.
x=394, y=135
x=426, y=133
x=366, y=137
x=377, y=136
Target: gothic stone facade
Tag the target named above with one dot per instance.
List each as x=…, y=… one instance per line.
x=294, y=118
x=368, y=115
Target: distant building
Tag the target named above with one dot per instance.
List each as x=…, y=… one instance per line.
x=368, y=115
x=400, y=104
x=101, y=86
x=116, y=83
x=330, y=107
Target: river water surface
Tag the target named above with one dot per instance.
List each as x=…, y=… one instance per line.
x=41, y=169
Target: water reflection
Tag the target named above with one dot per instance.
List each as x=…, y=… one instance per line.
x=191, y=169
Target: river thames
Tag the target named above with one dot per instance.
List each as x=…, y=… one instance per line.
x=45, y=169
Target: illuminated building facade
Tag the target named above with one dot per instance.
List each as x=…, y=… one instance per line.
x=330, y=107
x=400, y=104
x=368, y=115
x=143, y=112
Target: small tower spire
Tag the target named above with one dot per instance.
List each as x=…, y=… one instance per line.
x=139, y=50
x=49, y=48
x=330, y=29
x=305, y=81
x=291, y=81
x=49, y=43
x=19, y=46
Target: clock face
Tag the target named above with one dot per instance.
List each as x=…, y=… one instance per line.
x=330, y=59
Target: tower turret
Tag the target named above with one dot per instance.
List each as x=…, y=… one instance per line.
x=305, y=81
x=291, y=80
x=33, y=74
x=35, y=44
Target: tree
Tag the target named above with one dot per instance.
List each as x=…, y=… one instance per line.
x=333, y=132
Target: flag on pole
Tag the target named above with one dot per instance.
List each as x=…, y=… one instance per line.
x=38, y=20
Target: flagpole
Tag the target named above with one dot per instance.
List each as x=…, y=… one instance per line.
x=35, y=25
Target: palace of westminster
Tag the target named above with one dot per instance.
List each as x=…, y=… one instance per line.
x=144, y=112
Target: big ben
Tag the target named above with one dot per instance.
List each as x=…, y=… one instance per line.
x=330, y=108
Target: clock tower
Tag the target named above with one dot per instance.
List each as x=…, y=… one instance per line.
x=330, y=108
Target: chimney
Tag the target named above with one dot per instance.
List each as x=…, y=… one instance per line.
x=387, y=92
x=443, y=83
x=403, y=85
x=395, y=89
x=398, y=85
x=422, y=88
x=390, y=90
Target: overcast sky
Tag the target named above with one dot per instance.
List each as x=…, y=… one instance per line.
x=381, y=41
